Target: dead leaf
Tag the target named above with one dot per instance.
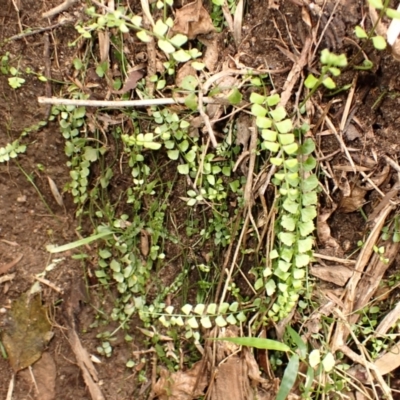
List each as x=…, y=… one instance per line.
x=134, y=76
x=54, y=191
x=211, y=55
x=6, y=267
x=192, y=20
x=104, y=45
x=44, y=372
x=237, y=23
x=389, y=361
x=323, y=229
x=181, y=385
x=27, y=331
x=337, y=274
x=353, y=202
x=352, y=133
x=144, y=243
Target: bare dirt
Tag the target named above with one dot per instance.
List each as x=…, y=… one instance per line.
x=27, y=225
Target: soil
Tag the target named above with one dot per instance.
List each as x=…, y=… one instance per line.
x=31, y=218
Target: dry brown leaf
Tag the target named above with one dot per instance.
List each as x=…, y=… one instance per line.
x=104, y=44
x=323, y=229
x=237, y=23
x=389, y=361
x=134, y=76
x=44, y=372
x=337, y=274
x=6, y=267
x=181, y=385
x=353, y=202
x=54, y=191
x=211, y=54
x=192, y=20
x=144, y=243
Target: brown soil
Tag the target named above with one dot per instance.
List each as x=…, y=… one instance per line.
x=27, y=225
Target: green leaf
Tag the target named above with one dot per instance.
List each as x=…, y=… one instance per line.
x=302, y=260
x=360, y=33
x=144, y=37
x=220, y=321
x=165, y=46
x=288, y=222
x=284, y=126
x=199, y=309
x=187, y=309
x=289, y=378
x=379, y=42
x=273, y=100
x=256, y=98
x=287, y=254
x=299, y=274
x=301, y=346
x=271, y=146
x=292, y=164
x=291, y=148
x=136, y=20
x=211, y=308
x=309, y=198
x=191, y=102
x=90, y=154
x=314, y=358
x=268, y=134
x=276, y=161
x=189, y=82
x=234, y=306
x=284, y=265
x=183, y=169
x=305, y=245
x=291, y=206
x=394, y=14
x=328, y=362
x=231, y=319
x=278, y=114
x=286, y=139
x=308, y=146
x=270, y=287
x=263, y=122
x=308, y=213
x=376, y=4
x=258, y=110
x=179, y=40
x=310, y=81
x=181, y=56
x=206, y=322
x=258, y=343
x=192, y=323
x=235, y=97
x=329, y=83
x=309, y=164
x=306, y=228
x=310, y=183
x=160, y=28
x=287, y=238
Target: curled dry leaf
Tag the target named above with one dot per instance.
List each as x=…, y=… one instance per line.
x=181, y=385
x=211, y=54
x=353, y=202
x=144, y=243
x=54, y=191
x=192, y=20
x=323, y=229
x=134, y=76
x=337, y=274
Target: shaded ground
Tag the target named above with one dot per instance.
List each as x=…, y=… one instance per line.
x=27, y=224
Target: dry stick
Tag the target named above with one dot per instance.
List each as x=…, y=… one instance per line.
x=121, y=103
x=295, y=72
x=341, y=332
x=59, y=9
x=36, y=31
x=348, y=105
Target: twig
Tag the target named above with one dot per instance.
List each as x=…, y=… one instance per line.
x=122, y=103
x=36, y=31
x=344, y=261
x=49, y=284
x=59, y=9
